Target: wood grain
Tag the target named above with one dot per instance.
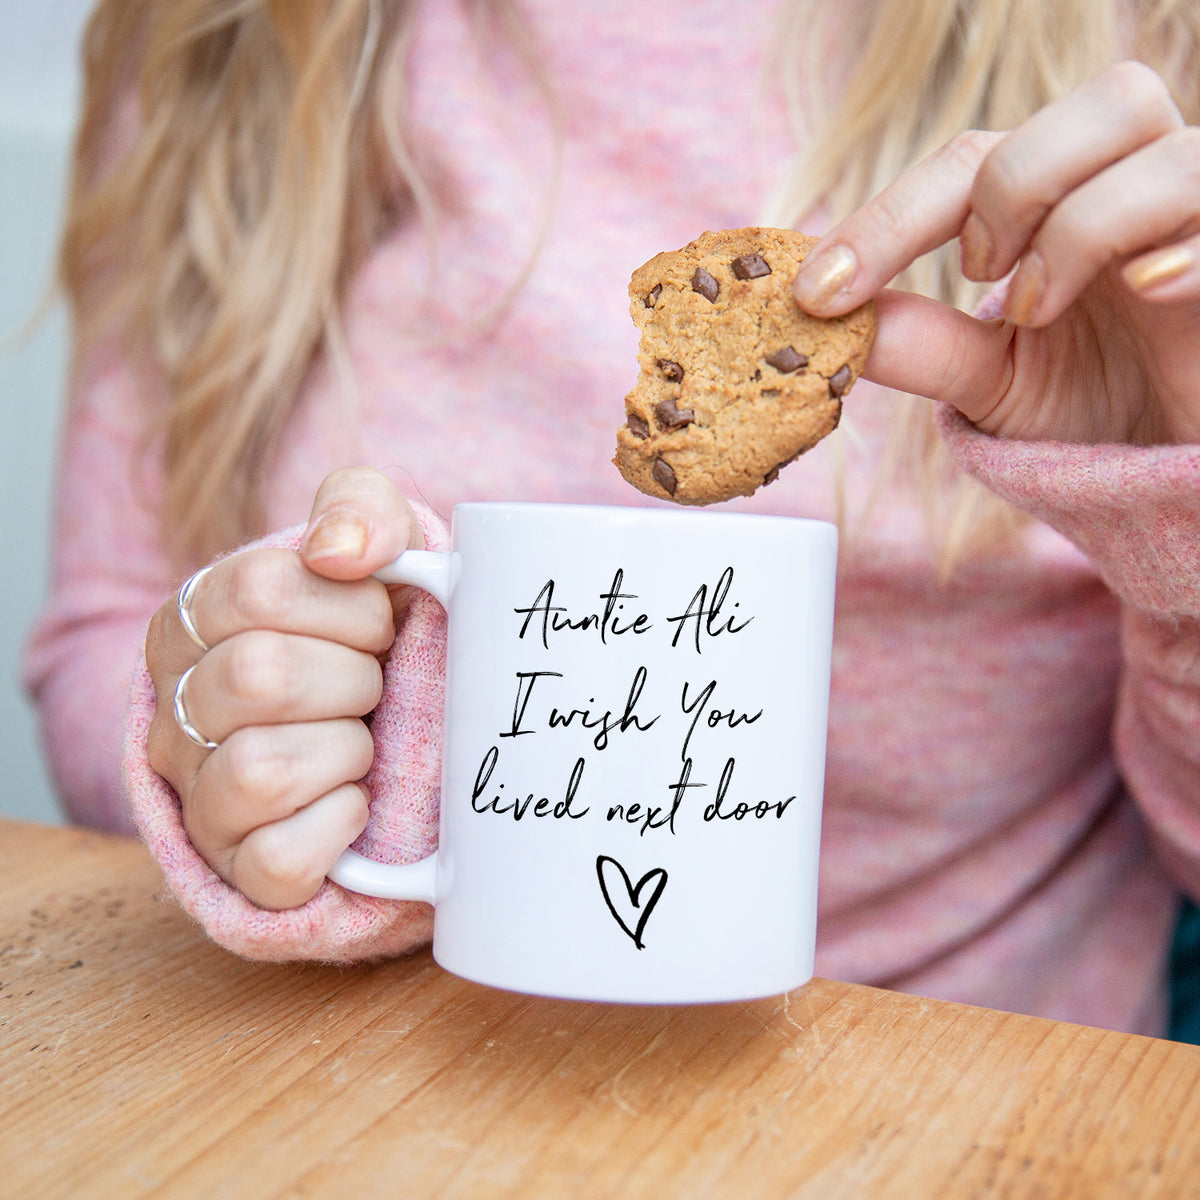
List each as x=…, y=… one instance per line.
x=140, y=1060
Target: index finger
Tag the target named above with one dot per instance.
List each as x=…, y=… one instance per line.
x=923, y=209
x=273, y=589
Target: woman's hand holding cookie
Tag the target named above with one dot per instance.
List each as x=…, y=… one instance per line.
x=1093, y=205
x=292, y=666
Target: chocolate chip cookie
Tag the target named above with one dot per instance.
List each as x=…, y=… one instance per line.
x=736, y=380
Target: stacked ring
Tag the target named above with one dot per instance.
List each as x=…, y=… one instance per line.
x=183, y=602
x=181, y=714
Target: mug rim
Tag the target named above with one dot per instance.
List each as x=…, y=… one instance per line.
x=640, y=512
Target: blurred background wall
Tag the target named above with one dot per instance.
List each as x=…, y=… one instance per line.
x=39, y=86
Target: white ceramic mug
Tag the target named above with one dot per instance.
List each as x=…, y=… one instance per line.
x=634, y=752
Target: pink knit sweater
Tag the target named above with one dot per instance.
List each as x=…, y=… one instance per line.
x=1013, y=791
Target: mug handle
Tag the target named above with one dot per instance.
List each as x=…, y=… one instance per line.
x=434, y=571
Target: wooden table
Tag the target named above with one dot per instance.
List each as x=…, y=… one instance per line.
x=139, y=1060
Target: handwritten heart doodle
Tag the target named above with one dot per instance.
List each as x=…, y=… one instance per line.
x=626, y=895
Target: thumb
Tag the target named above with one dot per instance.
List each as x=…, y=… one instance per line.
x=360, y=522
x=934, y=350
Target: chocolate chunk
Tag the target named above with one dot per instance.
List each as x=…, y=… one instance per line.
x=664, y=476
x=672, y=370
x=670, y=417
x=787, y=360
x=842, y=378
x=750, y=266
x=653, y=295
x=705, y=284
x=637, y=426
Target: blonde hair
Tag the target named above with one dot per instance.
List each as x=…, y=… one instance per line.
x=270, y=153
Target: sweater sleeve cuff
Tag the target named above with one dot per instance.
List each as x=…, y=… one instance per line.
x=1133, y=510
x=404, y=781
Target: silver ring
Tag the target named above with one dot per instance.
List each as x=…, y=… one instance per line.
x=181, y=716
x=183, y=602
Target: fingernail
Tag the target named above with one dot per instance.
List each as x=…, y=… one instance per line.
x=821, y=278
x=336, y=535
x=975, y=249
x=1025, y=290
x=1152, y=269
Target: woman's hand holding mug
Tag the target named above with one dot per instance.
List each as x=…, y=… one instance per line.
x=280, y=665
